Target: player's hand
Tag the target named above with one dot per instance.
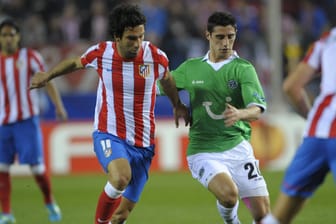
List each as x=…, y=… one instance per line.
x=61, y=114
x=231, y=115
x=181, y=111
x=39, y=80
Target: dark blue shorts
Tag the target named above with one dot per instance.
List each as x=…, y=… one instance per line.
x=109, y=147
x=22, y=139
x=313, y=160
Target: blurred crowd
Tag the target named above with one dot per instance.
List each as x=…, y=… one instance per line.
x=176, y=26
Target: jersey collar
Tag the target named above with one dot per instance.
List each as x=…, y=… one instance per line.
x=233, y=56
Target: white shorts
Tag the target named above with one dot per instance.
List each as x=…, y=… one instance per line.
x=239, y=163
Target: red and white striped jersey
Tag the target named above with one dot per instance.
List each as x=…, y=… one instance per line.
x=17, y=102
x=321, y=121
x=126, y=91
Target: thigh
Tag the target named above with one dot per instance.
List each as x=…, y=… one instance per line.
x=7, y=147
x=28, y=141
x=108, y=148
x=205, y=166
x=246, y=173
x=140, y=160
x=307, y=170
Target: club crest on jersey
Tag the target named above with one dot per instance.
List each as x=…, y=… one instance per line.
x=144, y=70
x=19, y=64
x=232, y=84
x=106, y=147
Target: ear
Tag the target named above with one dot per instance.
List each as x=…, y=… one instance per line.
x=116, y=39
x=207, y=34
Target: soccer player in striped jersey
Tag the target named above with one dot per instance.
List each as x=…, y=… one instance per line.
x=20, y=134
x=124, y=127
x=225, y=96
x=316, y=155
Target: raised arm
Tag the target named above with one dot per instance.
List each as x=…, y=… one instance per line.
x=66, y=66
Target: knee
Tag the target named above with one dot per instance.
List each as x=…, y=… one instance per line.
x=120, y=181
x=228, y=197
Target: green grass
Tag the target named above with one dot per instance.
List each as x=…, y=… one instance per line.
x=169, y=198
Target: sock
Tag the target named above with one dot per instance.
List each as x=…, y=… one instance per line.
x=269, y=219
x=5, y=191
x=43, y=182
x=106, y=207
x=230, y=215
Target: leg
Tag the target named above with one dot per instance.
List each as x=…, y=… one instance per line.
x=119, y=174
x=5, y=192
x=121, y=214
x=287, y=207
x=226, y=192
x=259, y=207
x=43, y=181
x=7, y=155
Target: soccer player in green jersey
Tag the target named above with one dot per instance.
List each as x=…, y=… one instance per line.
x=225, y=96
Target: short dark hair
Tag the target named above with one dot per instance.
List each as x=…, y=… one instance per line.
x=123, y=16
x=11, y=23
x=221, y=19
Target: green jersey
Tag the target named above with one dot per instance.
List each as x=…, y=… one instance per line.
x=210, y=87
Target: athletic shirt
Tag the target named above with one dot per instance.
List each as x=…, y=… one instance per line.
x=126, y=91
x=210, y=87
x=321, y=121
x=17, y=102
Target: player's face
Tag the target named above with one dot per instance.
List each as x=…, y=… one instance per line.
x=221, y=42
x=130, y=42
x=9, y=40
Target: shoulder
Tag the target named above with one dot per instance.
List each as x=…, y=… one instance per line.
x=242, y=64
x=148, y=46
x=31, y=53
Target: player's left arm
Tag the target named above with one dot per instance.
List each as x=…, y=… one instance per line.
x=253, y=97
x=233, y=114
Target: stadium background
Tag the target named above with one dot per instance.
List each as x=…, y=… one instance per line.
x=272, y=34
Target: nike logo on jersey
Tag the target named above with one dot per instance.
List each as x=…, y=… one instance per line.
x=102, y=221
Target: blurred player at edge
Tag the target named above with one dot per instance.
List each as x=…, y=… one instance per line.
x=20, y=133
x=316, y=155
x=124, y=127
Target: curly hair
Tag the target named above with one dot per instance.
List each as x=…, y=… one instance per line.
x=123, y=16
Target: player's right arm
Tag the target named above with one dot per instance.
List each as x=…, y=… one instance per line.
x=66, y=66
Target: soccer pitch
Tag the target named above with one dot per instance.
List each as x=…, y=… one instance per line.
x=169, y=198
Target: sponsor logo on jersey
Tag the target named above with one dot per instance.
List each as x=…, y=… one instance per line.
x=201, y=172
x=257, y=96
x=144, y=70
x=197, y=82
